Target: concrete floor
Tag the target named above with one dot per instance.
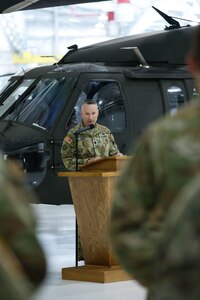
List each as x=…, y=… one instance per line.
x=56, y=231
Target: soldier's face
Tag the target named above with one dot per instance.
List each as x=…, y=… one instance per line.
x=89, y=114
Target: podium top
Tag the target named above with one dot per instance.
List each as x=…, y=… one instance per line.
x=85, y=174
x=107, y=164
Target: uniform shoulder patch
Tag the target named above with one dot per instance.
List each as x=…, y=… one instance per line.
x=68, y=140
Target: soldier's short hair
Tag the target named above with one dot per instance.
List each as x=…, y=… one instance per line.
x=89, y=101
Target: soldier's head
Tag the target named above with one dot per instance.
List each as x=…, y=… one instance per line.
x=89, y=112
x=193, y=58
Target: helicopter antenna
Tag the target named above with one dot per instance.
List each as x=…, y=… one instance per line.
x=139, y=55
x=174, y=24
x=23, y=70
x=186, y=20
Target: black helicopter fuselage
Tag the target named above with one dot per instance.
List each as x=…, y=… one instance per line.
x=132, y=88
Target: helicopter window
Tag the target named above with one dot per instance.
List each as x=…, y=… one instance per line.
x=9, y=84
x=12, y=98
x=110, y=101
x=195, y=92
x=176, y=98
x=42, y=105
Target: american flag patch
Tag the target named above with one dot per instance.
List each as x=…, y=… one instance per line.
x=68, y=140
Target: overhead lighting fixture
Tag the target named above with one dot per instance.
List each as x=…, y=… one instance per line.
x=19, y=6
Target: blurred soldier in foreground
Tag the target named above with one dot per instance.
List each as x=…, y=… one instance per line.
x=178, y=262
x=22, y=261
x=93, y=144
x=165, y=159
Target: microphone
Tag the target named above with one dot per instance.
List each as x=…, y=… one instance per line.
x=77, y=132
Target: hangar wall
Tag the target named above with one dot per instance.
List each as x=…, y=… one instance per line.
x=28, y=37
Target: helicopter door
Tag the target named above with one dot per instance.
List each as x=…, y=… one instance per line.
x=174, y=95
x=108, y=94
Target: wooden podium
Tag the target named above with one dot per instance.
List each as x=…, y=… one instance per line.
x=91, y=190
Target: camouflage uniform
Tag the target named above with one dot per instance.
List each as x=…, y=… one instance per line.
x=22, y=261
x=97, y=142
x=178, y=263
x=165, y=159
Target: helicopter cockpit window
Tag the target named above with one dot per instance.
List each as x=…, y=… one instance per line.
x=176, y=98
x=42, y=106
x=12, y=98
x=7, y=86
x=110, y=101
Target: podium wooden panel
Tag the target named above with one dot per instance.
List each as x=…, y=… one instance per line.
x=91, y=194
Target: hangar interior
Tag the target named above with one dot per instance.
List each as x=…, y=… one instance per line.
x=27, y=39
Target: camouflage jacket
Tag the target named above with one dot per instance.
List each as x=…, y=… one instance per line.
x=178, y=261
x=22, y=261
x=165, y=158
x=96, y=142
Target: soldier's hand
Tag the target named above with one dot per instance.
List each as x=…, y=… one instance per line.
x=94, y=159
x=120, y=154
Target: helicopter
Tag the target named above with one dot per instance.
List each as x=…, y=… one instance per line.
x=134, y=80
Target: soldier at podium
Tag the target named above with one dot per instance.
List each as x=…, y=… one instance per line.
x=95, y=141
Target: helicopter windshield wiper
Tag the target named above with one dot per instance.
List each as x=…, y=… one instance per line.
x=174, y=24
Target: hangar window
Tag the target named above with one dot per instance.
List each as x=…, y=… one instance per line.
x=176, y=98
x=109, y=99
